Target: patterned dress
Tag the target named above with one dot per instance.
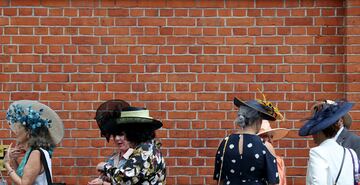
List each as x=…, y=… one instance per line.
x=145, y=166
x=255, y=166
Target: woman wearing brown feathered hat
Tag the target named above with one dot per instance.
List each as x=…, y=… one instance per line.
x=143, y=162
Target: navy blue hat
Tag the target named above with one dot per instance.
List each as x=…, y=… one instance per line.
x=328, y=115
x=267, y=110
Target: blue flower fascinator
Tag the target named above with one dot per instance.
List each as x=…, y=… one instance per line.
x=33, y=115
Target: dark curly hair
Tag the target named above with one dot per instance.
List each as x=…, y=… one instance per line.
x=136, y=136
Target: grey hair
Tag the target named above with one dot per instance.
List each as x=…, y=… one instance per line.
x=247, y=116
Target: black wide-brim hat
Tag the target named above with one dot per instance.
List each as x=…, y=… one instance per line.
x=116, y=116
x=267, y=112
x=327, y=116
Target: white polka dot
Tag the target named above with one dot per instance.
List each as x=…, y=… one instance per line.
x=228, y=182
x=231, y=146
x=274, y=161
x=243, y=180
x=232, y=171
x=252, y=168
x=240, y=173
x=277, y=174
x=257, y=156
x=249, y=145
x=217, y=175
x=219, y=152
x=264, y=152
x=233, y=161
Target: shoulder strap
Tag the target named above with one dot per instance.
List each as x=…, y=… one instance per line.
x=222, y=160
x=342, y=163
x=46, y=167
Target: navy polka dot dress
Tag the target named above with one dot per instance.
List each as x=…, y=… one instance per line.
x=255, y=166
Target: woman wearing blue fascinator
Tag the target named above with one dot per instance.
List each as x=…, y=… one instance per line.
x=38, y=129
x=329, y=163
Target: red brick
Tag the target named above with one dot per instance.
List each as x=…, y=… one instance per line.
x=85, y=22
x=151, y=22
x=24, y=21
x=269, y=40
x=328, y=40
x=118, y=12
x=269, y=21
x=210, y=22
x=268, y=4
x=25, y=3
x=54, y=21
x=240, y=22
x=239, y=4
x=297, y=40
x=50, y=3
x=298, y=21
x=181, y=22
x=268, y=59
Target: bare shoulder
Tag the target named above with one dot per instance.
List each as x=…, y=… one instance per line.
x=34, y=155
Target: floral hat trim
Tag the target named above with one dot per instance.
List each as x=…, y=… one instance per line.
x=270, y=108
x=29, y=117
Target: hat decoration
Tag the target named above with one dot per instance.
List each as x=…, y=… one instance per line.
x=34, y=115
x=270, y=108
x=326, y=115
x=31, y=119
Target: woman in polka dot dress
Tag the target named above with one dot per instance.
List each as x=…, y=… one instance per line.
x=242, y=158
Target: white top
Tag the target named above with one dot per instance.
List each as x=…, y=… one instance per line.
x=324, y=164
x=41, y=179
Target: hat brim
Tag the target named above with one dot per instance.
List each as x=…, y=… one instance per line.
x=277, y=133
x=140, y=123
x=264, y=114
x=56, y=128
x=314, y=126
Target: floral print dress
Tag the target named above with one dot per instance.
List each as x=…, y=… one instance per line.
x=145, y=166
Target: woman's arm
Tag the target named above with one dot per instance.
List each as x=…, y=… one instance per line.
x=32, y=169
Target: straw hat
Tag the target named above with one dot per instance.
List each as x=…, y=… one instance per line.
x=33, y=114
x=277, y=133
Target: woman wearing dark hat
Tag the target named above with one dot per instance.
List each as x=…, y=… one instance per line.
x=143, y=163
x=37, y=128
x=242, y=158
x=329, y=163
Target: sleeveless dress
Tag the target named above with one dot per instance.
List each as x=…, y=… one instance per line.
x=255, y=166
x=41, y=178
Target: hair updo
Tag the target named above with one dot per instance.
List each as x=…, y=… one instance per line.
x=247, y=116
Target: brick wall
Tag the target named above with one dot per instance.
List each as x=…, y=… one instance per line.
x=183, y=60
